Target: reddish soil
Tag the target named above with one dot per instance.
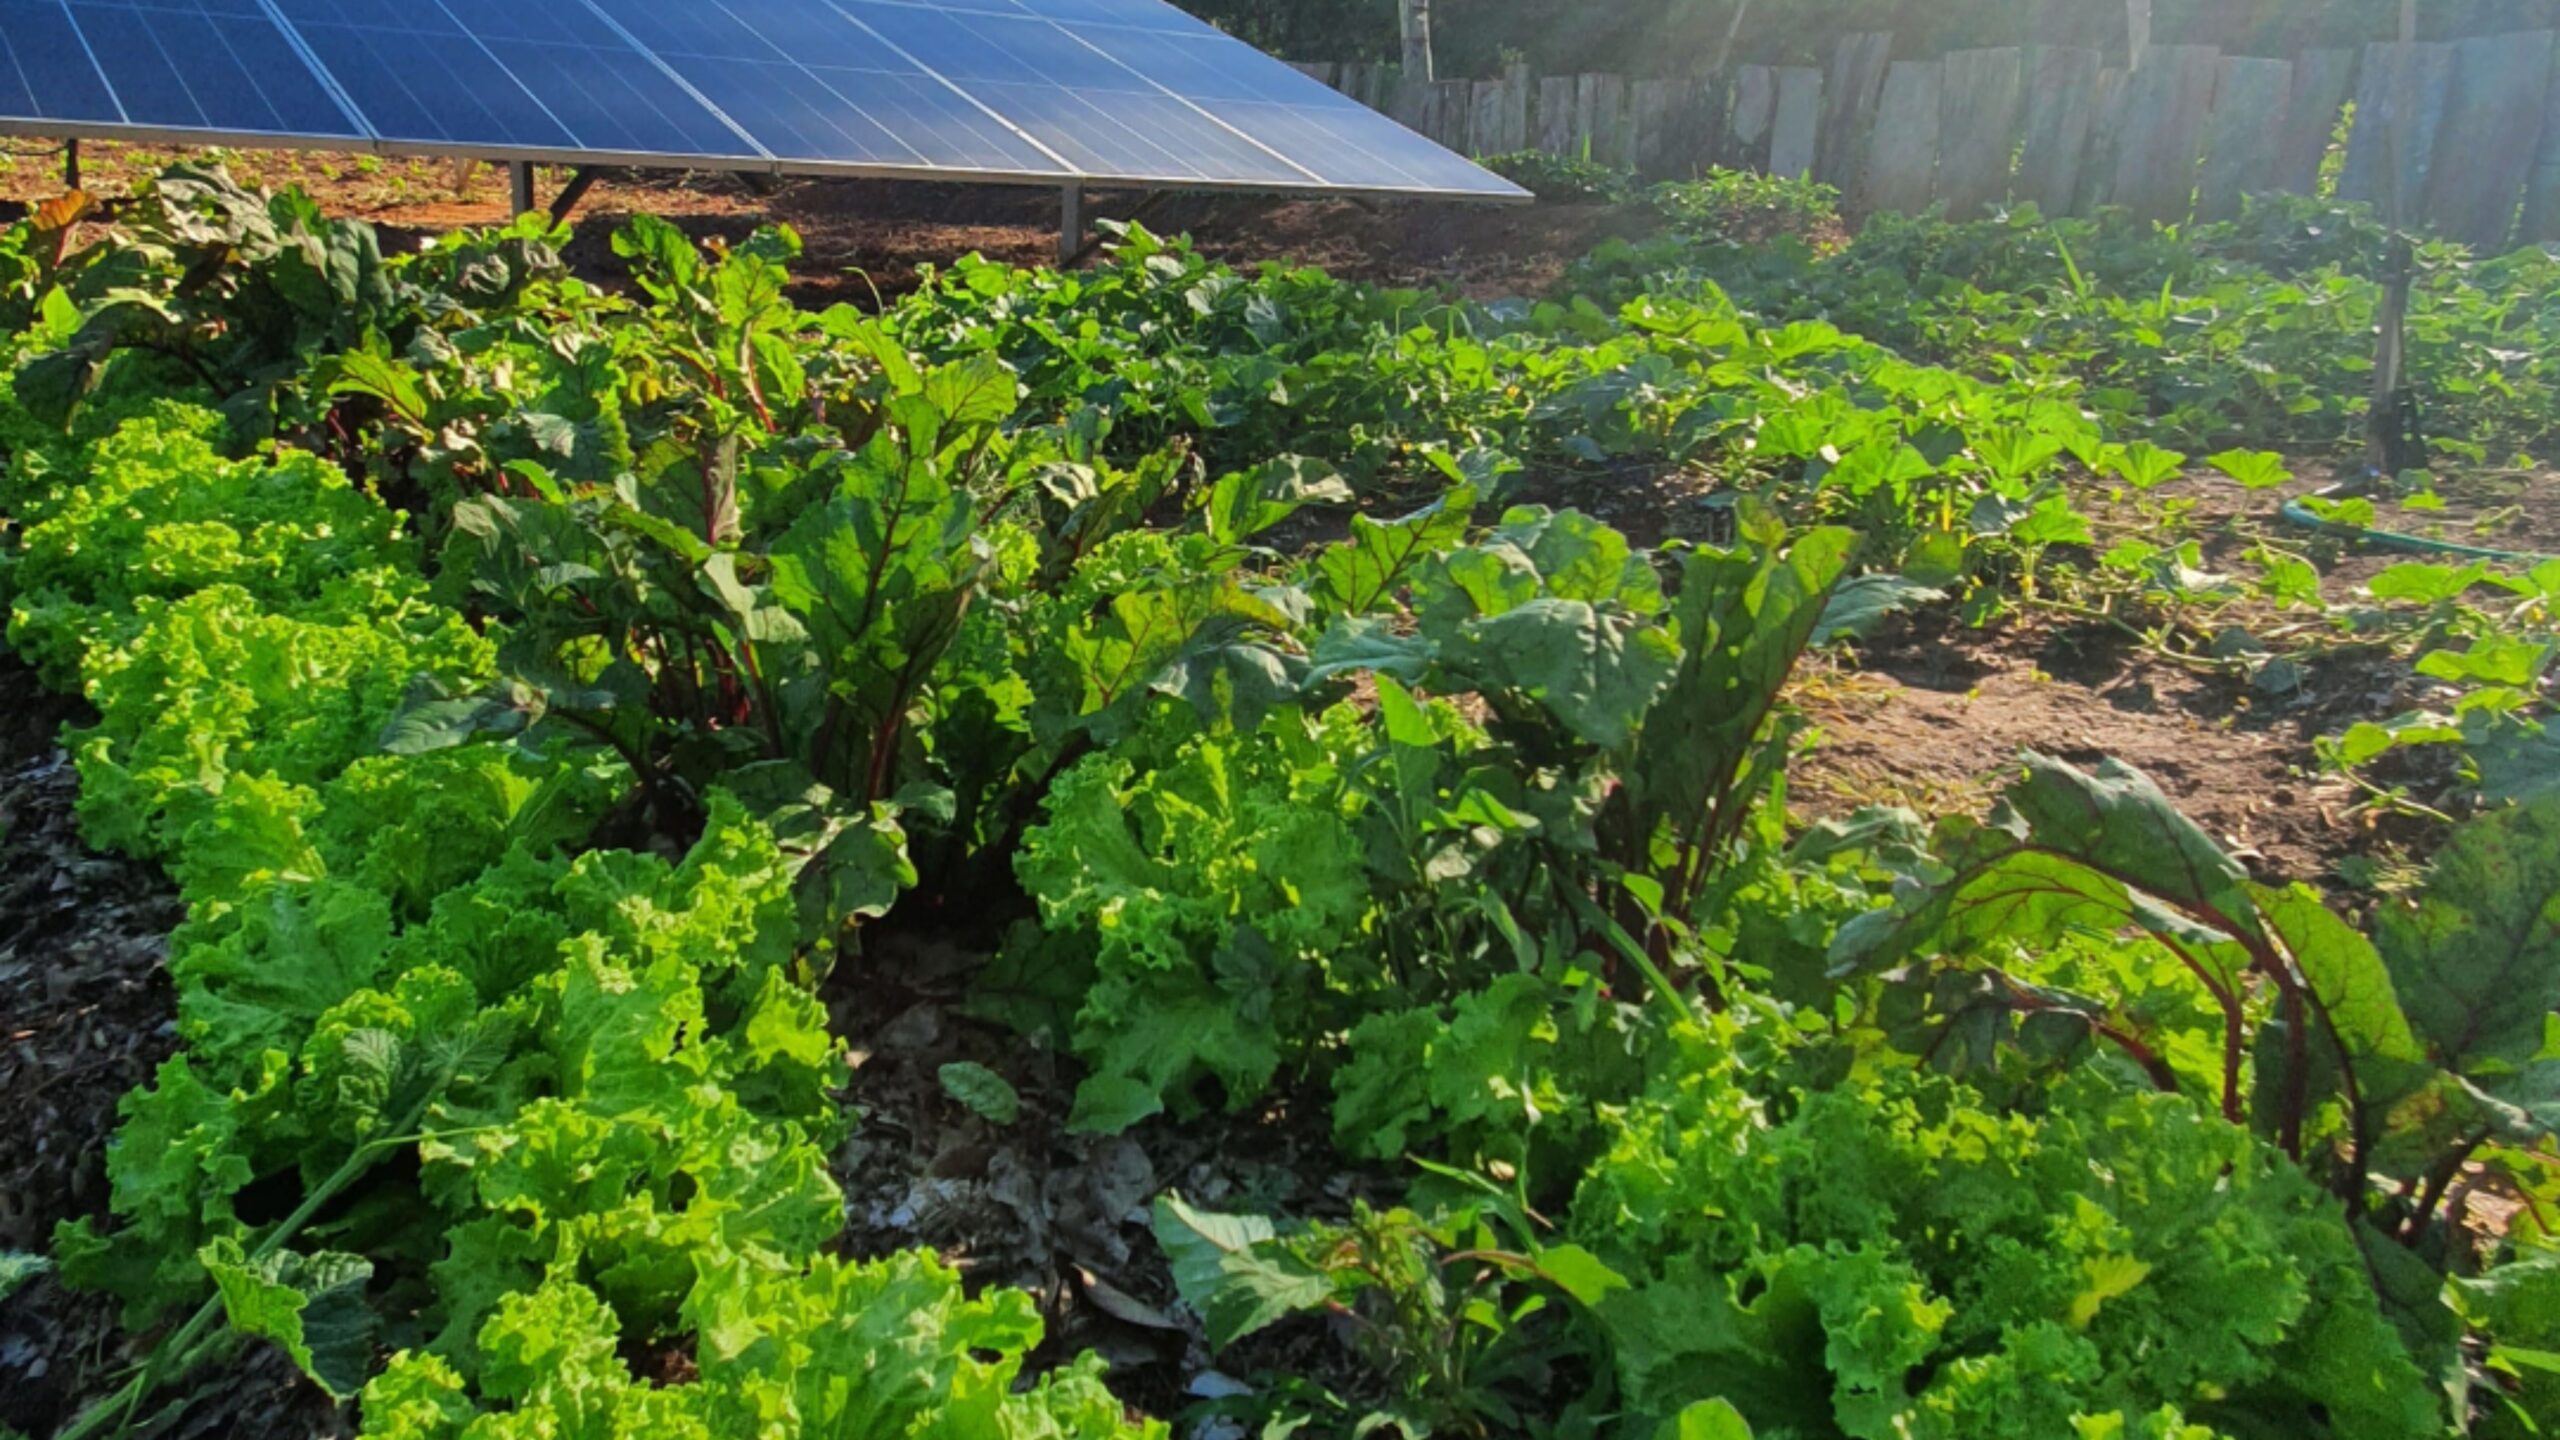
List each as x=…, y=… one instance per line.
x=1932, y=713
x=1933, y=716
x=867, y=238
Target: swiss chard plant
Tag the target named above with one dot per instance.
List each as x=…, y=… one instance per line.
x=2402, y=1067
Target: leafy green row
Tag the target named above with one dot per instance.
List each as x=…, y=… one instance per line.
x=2256, y=331
x=408, y=988
x=1784, y=1211
x=1929, y=464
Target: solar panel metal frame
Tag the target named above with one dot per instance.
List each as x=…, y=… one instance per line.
x=766, y=163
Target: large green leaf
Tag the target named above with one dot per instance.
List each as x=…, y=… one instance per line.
x=311, y=1305
x=2101, y=852
x=1245, y=504
x=2116, y=821
x=1234, y=1271
x=2477, y=956
x=1596, y=672
x=1382, y=556
x=1744, y=618
x=2344, y=972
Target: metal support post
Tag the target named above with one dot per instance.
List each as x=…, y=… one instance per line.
x=520, y=185
x=71, y=164
x=575, y=191
x=1070, y=225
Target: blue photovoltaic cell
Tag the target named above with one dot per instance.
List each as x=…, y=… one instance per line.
x=48, y=74
x=499, y=74
x=1147, y=14
x=217, y=65
x=811, y=84
x=1131, y=91
x=1111, y=120
x=1344, y=141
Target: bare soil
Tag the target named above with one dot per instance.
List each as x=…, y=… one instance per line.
x=1932, y=713
x=1065, y=1217
x=1935, y=716
x=867, y=240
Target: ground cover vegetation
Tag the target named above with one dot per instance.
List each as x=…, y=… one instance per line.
x=539, y=692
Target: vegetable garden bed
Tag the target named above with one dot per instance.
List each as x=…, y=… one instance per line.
x=1082, y=851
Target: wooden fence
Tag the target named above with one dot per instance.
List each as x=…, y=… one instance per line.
x=2187, y=132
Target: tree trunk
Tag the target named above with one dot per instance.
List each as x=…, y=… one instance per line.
x=1416, y=15
x=2137, y=31
x=1732, y=32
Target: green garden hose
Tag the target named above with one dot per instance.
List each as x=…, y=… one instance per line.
x=2297, y=513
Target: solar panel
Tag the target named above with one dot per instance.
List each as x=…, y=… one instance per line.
x=1128, y=92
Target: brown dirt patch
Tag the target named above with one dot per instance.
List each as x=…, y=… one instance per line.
x=1934, y=715
x=874, y=237
x=868, y=237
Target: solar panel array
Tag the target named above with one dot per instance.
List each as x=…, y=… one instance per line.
x=1093, y=91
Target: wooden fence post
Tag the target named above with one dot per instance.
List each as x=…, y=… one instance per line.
x=1977, y=128
x=2378, y=93
x=1657, y=106
x=1849, y=96
x=2244, y=135
x=2062, y=107
x=1706, y=108
x=2166, y=104
x=1755, y=102
x=1555, y=116
x=2098, y=165
x=2542, y=194
x=1501, y=117
x=1453, y=118
x=2483, y=156
x=1600, y=112
x=1795, y=122
x=1519, y=97
x=1901, y=164
x=1412, y=102
x=2321, y=81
